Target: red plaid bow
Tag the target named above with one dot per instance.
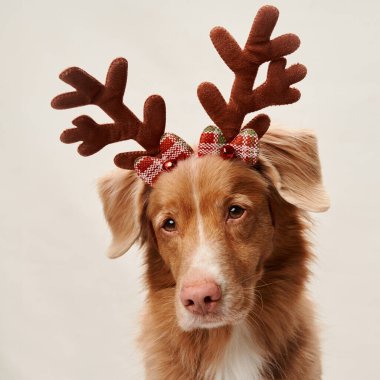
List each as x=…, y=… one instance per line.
x=172, y=149
x=244, y=146
x=212, y=142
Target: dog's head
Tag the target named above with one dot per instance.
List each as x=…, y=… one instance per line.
x=211, y=222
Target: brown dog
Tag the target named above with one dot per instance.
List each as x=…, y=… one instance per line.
x=226, y=262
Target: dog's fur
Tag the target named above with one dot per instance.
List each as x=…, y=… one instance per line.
x=264, y=326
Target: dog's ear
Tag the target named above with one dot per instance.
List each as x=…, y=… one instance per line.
x=290, y=160
x=121, y=193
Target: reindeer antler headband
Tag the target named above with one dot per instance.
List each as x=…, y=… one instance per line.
x=228, y=138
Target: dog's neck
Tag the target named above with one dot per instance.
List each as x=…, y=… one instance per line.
x=241, y=359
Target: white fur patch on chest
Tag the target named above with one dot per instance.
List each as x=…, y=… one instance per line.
x=240, y=361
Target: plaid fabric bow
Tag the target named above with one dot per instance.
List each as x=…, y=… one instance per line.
x=244, y=146
x=172, y=149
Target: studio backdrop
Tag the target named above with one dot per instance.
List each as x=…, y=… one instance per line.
x=67, y=311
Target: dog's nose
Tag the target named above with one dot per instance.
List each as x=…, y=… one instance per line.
x=201, y=298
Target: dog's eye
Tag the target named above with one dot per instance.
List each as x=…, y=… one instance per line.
x=169, y=225
x=235, y=212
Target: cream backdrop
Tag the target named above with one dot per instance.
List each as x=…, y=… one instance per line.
x=69, y=313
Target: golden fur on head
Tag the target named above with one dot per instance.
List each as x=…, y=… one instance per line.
x=259, y=259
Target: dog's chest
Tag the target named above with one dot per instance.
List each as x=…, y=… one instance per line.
x=240, y=360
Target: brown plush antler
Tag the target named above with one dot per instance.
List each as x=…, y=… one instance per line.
x=245, y=64
x=109, y=98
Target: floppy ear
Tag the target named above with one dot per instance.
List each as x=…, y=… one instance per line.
x=121, y=194
x=290, y=160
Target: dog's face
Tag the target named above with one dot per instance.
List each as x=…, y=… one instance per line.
x=212, y=223
x=210, y=220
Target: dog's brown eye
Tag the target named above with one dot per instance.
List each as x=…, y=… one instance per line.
x=235, y=212
x=169, y=225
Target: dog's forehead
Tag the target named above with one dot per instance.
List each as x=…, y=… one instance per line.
x=206, y=180
x=200, y=175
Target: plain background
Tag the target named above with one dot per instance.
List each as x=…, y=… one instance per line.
x=69, y=313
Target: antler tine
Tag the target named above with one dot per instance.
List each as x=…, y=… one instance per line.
x=245, y=63
x=109, y=98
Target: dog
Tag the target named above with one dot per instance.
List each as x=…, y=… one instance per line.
x=223, y=227
x=226, y=257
